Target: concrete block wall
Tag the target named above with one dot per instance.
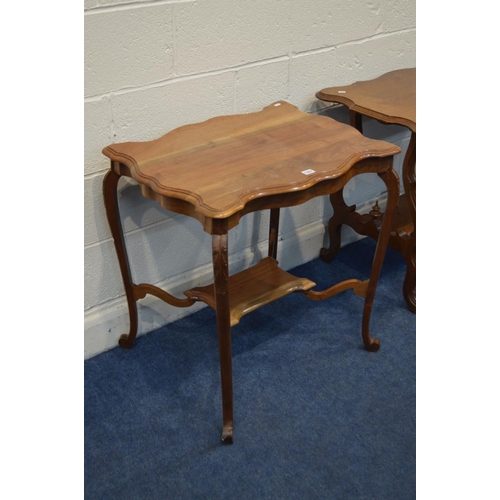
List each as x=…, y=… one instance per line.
x=152, y=66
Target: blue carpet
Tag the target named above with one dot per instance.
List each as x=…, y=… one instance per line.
x=316, y=415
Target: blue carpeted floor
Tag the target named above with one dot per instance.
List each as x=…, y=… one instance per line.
x=316, y=415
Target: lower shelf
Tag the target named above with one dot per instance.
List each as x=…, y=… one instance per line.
x=253, y=288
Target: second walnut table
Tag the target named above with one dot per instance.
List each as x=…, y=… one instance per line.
x=391, y=99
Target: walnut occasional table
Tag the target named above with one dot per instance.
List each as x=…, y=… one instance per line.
x=221, y=169
x=391, y=98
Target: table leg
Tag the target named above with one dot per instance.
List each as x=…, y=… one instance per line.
x=341, y=211
x=410, y=185
x=410, y=282
x=340, y=215
x=110, y=193
x=221, y=284
x=356, y=120
x=391, y=180
x=274, y=222
x=409, y=177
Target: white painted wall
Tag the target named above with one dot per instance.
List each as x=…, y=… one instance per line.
x=152, y=66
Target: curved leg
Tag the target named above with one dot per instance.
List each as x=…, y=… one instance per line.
x=410, y=184
x=410, y=282
x=340, y=214
x=409, y=176
x=392, y=182
x=110, y=194
x=341, y=211
x=221, y=284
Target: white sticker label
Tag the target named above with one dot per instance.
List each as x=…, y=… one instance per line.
x=308, y=171
x=341, y=91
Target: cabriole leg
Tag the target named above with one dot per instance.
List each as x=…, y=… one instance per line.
x=110, y=185
x=410, y=282
x=410, y=184
x=391, y=180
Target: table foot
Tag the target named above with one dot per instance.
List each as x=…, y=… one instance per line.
x=411, y=301
x=126, y=341
x=227, y=435
x=372, y=344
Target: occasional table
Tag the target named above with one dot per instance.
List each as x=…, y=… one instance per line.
x=226, y=167
x=390, y=98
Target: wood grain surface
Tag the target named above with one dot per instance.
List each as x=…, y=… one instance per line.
x=390, y=98
x=219, y=165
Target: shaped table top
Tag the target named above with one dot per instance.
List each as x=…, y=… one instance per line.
x=219, y=165
x=390, y=98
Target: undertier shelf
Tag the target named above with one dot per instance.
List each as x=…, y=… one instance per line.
x=253, y=288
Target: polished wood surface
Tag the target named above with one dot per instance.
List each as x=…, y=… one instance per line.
x=221, y=169
x=253, y=288
x=218, y=166
x=390, y=99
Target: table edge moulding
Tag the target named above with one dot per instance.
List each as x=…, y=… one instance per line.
x=217, y=171
x=390, y=99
